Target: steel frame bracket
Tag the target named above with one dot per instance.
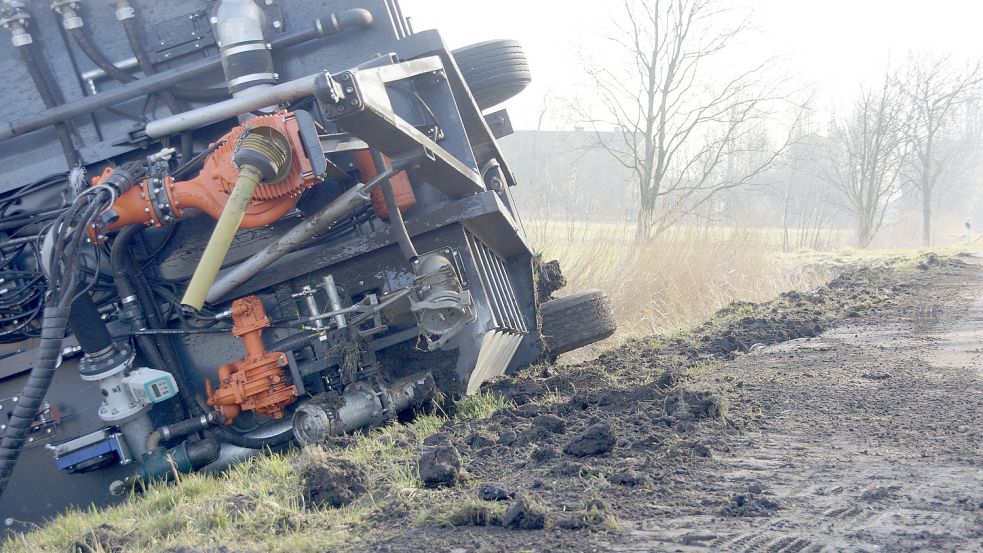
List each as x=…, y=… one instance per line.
x=357, y=101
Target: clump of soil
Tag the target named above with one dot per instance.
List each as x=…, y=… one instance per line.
x=749, y=505
x=101, y=539
x=596, y=439
x=238, y=505
x=525, y=514
x=493, y=491
x=550, y=423
x=476, y=514
x=634, y=425
x=331, y=481
x=440, y=466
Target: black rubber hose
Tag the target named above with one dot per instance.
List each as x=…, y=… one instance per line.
x=29, y=56
x=102, y=62
x=87, y=325
x=98, y=58
x=120, y=258
x=168, y=97
x=31, y=398
x=395, y=215
x=294, y=342
x=234, y=438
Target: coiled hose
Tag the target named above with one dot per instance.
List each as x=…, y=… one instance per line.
x=31, y=398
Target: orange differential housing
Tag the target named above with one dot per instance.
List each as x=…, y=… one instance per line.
x=157, y=203
x=257, y=382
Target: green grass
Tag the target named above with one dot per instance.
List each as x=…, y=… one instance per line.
x=257, y=504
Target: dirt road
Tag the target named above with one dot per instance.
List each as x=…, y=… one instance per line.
x=857, y=427
x=870, y=437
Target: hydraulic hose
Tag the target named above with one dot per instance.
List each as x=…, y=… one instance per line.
x=29, y=56
x=97, y=57
x=120, y=258
x=395, y=215
x=102, y=62
x=294, y=342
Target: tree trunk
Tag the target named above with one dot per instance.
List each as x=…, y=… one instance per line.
x=926, y=217
x=646, y=216
x=864, y=236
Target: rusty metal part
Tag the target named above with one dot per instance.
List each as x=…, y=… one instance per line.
x=158, y=201
x=402, y=189
x=257, y=382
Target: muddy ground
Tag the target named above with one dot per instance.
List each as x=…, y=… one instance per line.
x=842, y=419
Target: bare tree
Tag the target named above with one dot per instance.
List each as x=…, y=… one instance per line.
x=865, y=156
x=936, y=94
x=684, y=137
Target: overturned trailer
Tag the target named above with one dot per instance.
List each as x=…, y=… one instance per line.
x=233, y=225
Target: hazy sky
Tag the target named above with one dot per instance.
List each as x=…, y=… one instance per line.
x=827, y=45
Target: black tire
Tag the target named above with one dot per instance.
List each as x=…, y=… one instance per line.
x=495, y=70
x=576, y=320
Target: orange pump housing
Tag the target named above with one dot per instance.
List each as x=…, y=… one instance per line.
x=257, y=382
x=402, y=189
x=157, y=203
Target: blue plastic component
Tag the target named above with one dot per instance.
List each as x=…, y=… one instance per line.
x=75, y=461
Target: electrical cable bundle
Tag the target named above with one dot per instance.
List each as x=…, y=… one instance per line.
x=62, y=254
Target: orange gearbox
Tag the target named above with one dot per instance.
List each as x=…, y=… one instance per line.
x=157, y=201
x=257, y=382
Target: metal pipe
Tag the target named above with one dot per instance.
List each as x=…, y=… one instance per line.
x=167, y=79
x=97, y=73
x=334, y=300
x=281, y=93
x=361, y=406
x=246, y=59
x=351, y=199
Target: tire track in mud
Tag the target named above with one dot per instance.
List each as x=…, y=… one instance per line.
x=871, y=439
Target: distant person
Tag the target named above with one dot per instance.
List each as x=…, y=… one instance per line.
x=969, y=230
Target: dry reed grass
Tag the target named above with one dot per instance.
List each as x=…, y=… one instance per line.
x=675, y=280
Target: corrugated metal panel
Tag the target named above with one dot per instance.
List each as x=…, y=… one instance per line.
x=497, y=285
